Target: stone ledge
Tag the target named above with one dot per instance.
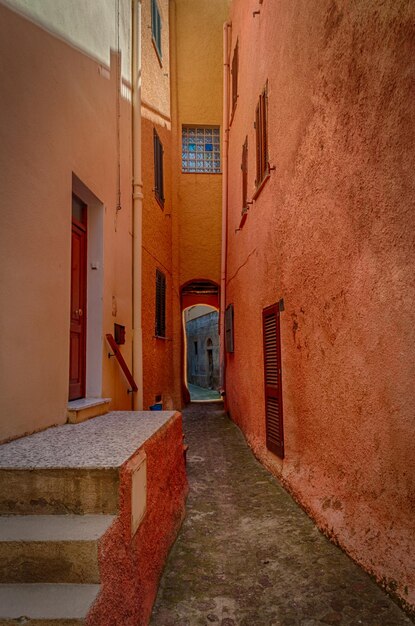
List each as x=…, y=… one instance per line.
x=86, y=408
x=104, y=442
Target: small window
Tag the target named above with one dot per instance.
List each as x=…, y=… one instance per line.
x=234, y=72
x=229, y=328
x=244, y=168
x=201, y=149
x=158, y=169
x=195, y=345
x=261, y=135
x=160, y=304
x=156, y=26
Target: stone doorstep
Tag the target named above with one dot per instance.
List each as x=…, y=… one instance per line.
x=48, y=603
x=86, y=408
x=51, y=548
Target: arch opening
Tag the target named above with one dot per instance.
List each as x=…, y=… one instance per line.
x=201, y=352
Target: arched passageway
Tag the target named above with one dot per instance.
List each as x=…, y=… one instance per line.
x=201, y=327
x=200, y=297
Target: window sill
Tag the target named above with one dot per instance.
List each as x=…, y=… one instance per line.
x=261, y=185
x=159, y=337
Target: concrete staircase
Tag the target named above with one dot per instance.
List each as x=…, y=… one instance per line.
x=49, y=570
x=59, y=497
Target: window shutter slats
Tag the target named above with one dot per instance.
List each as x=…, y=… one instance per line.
x=244, y=168
x=229, y=328
x=160, y=329
x=272, y=375
x=158, y=168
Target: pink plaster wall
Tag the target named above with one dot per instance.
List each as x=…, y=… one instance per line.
x=332, y=232
x=131, y=567
x=58, y=116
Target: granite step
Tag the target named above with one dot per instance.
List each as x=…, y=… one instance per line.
x=73, y=468
x=51, y=548
x=46, y=604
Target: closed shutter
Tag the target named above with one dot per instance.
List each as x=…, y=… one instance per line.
x=234, y=71
x=160, y=304
x=229, y=328
x=244, y=168
x=273, y=380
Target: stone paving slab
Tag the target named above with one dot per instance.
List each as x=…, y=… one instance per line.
x=200, y=394
x=248, y=555
x=102, y=442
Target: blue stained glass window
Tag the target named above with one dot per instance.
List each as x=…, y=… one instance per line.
x=208, y=147
x=192, y=147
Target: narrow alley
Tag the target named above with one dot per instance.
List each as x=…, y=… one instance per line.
x=247, y=555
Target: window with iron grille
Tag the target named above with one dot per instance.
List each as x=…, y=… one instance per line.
x=201, y=149
x=244, y=168
x=160, y=304
x=261, y=136
x=234, y=72
x=158, y=169
x=156, y=26
x=229, y=328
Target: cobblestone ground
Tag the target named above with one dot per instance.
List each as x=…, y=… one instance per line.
x=247, y=555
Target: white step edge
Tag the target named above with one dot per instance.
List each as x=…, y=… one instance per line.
x=46, y=601
x=26, y=528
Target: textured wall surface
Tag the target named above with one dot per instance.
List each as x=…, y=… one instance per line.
x=58, y=116
x=157, y=225
x=130, y=567
x=199, y=102
x=332, y=232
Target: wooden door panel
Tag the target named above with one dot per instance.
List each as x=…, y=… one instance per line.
x=77, y=357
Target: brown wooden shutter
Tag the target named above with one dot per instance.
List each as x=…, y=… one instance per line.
x=244, y=168
x=258, y=145
x=160, y=304
x=234, y=71
x=273, y=380
x=229, y=328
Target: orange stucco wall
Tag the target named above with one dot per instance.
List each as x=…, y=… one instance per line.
x=332, y=232
x=58, y=117
x=157, y=223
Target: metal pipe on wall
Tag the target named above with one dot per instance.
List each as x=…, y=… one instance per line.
x=137, y=190
x=225, y=145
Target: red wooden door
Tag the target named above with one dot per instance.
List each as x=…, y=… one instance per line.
x=77, y=363
x=273, y=380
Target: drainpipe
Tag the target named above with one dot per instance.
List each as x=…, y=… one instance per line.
x=225, y=145
x=137, y=190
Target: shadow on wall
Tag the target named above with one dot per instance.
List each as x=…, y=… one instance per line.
x=202, y=346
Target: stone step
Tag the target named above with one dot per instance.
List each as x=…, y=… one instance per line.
x=51, y=548
x=58, y=491
x=46, y=604
x=86, y=408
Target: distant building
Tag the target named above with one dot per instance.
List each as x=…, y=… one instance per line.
x=203, y=351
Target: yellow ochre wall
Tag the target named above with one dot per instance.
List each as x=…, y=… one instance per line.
x=199, y=65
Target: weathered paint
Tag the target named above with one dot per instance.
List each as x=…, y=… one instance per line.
x=59, y=116
x=130, y=568
x=332, y=232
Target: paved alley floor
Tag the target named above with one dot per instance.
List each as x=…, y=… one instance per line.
x=247, y=555
x=200, y=393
